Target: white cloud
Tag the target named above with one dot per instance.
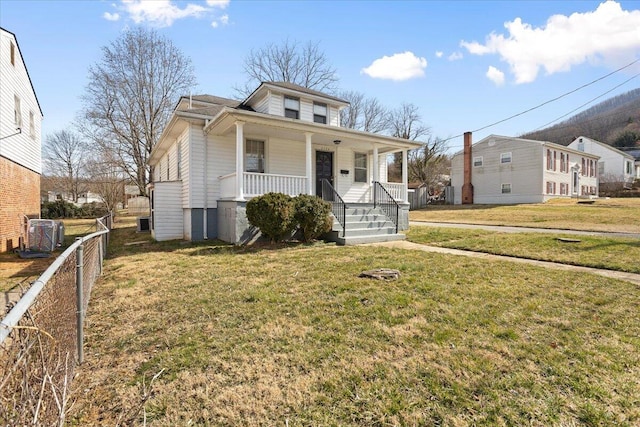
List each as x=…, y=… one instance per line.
x=495, y=75
x=400, y=66
x=111, y=16
x=221, y=4
x=439, y=54
x=455, y=56
x=163, y=13
x=609, y=35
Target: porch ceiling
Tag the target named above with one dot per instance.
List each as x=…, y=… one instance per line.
x=257, y=124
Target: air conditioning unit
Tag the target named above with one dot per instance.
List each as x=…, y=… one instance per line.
x=42, y=235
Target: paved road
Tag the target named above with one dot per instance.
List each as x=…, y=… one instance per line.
x=404, y=244
x=507, y=229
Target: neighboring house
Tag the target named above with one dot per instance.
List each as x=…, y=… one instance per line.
x=506, y=170
x=83, y=197
x=217, y=153
x=614, y=166
x=20, y=144
x=636, y=155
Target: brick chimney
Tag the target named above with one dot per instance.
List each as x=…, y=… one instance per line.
x=467, y=187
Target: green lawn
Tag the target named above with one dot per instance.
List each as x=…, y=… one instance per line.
x=622, y=215
x=291, y=336
x=610, y=253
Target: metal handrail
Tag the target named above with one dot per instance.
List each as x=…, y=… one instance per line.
x=384, y=200
x=338, y=207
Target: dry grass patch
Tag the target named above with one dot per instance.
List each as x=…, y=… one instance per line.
x=266, y=337
x=621, y=215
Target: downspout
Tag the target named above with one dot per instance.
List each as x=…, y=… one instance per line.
x=467, y=186
x=205, y=223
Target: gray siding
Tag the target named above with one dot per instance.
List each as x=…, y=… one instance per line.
x=167, y=211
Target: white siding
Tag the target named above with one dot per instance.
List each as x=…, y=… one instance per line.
x=262, y=105
x=334, y=116
x=349, y=190
x=196, y=168
x=167, y=211
x=24, y=148
x=285, y=157
x=613, y=159
x=221, y=160
x=276, y=104
x=185, y=172
x=306, y=110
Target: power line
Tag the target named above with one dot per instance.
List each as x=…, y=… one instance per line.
x=588, y=102
x=551, y=100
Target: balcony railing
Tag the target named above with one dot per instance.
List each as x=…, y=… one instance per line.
x=256, y=184
x=395, y=189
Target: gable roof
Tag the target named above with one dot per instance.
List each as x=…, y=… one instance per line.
x=602, y=144
x=292, y=88
x=528, y=141
x=25, y=67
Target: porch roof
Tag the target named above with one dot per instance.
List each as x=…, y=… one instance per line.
x=293, y=129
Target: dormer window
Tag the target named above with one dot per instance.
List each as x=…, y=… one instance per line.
x=320, y=113
x=291, y=107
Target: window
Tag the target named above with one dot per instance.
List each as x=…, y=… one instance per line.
x=179, y=160
x=505, y=158
x=551, y=187
x=555, y=156
x=477, y=161
x=564, y=188
x=549, y=160
x=580, y=145
x=32, y=125
x=17, y=113
x=360, y=167
x=12, y=52
x=168, y=166
x=600, y=168
x=562, y=162
x=629, y=168
x=254, y=156
x=320, y=113
x=506, y=188
x=291, y=107
x=583, y=172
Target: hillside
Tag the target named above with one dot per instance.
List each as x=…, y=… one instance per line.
x=605, y=122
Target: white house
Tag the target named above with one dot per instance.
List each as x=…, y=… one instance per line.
x=614, y=165
x=506, y=170
x=217, y=153
x=20, y=144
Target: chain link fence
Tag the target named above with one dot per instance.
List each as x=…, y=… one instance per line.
x=41, y=337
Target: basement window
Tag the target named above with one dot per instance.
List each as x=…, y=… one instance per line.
x=506, y=188
x=477, y=161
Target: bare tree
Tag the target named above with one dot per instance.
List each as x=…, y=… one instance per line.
x=305, y=65
x=64, y=153
x=404, y=122
x=130, y=97
x=428, y=163
x=366, y=114
x=107, y=180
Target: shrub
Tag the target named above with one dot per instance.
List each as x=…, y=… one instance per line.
x=58, y=209
x=273, y=215
x=313, y=215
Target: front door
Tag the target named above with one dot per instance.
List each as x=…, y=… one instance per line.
x=324, y=169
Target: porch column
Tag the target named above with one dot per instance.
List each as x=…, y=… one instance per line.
x=239, y=160
x=405, y=177
x=308, y=162
x=376, y=164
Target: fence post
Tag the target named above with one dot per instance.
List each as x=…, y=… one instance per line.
x=79, y=312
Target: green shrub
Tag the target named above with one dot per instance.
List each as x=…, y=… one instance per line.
x=313, y=215
x=58, y=209
x=273, y=215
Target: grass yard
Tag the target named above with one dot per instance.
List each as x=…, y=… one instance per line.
x=622, y=215
x=610, y=253
x=291, y=337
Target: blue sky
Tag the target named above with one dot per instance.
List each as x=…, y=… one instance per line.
x=465, y=64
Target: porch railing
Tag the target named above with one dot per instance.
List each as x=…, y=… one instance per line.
x=395, y=189
x=256, y=184
x=383, y=199
x=338, y=207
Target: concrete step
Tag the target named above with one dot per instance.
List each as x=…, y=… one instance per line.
x=359, y=240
